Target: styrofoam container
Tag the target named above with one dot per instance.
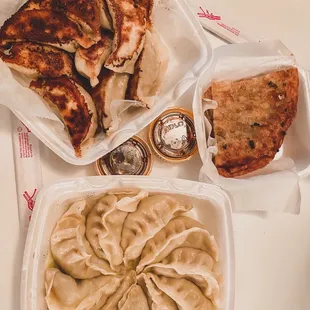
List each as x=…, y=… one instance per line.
x=211, y=207
x=278, y=180
x=189, y=52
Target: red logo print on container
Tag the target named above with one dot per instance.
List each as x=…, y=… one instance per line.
x=30, y=200
x=208, y=15
x=28, y=130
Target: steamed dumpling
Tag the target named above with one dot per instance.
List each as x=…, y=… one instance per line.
x=206, y=282
x=187, y=258
x=152, y=215
x=103, y=230
x=70, y=248
x=104, y=225
x=185, y=293
x=129, y=280
x=158, y=300
x=128, y=201
x=65, y=293
x=134, y=299
x=179, y=232
x=192, y=264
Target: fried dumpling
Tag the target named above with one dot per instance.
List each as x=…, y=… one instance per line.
x=44, y=26
x=89, y=61
x=104, y=227
x=149, y=72
x=158, y=300
x=192, y=264
x=70, y=248
x=112, y=86
x=73, y=105
x=65, y=293
x=152, y=215
x=185, y=293
x=179, y=232
x=36, y=60
x=147, y=6
x=86, y=13
x=129, y=24
x=134, y=299
x=105, y=17
x=129, y=280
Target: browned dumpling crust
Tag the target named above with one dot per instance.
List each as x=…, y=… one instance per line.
x=73, y=106
x=38, y=60
x=44, y=26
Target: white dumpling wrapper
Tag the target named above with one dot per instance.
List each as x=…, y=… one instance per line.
x=134, y=299
x=179, y=232
x=158, y=300
x=185, y=293
x=129, y=280
x=192, y=264
x=65, y=293
x=70, y=248
x=152, y=215
x=105, y=222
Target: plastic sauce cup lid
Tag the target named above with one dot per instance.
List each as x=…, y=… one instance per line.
x=172, y=135
x=133, y=157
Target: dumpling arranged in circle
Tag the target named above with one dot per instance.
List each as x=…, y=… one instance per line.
x=132, y=250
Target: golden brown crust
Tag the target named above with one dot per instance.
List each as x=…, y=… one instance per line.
x=70, y=105
x=129, y=23
x=147, y=5
x=44, y=26
x=108, y=24
x=45, y=60
x=92, y=55
x=252, y=119
x=98, y=94
x=132, y=89
x=83, y=12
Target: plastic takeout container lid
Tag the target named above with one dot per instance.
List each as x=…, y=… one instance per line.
x=211, y=207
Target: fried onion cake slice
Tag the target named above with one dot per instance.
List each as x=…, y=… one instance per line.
x=44, y=26
x=252, y=118
x=150, y=70
x=112, y=86
x=86, y=13
x=73, y=105
x=36, y=60
x=89, y=61
x=129, y=24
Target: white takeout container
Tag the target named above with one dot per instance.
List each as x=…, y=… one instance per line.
x=211, y=207
x=276, y=186
x=189, y=52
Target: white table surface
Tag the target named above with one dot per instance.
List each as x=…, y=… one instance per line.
x=272, y=251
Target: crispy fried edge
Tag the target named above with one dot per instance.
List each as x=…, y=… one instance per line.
x=261, y=162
